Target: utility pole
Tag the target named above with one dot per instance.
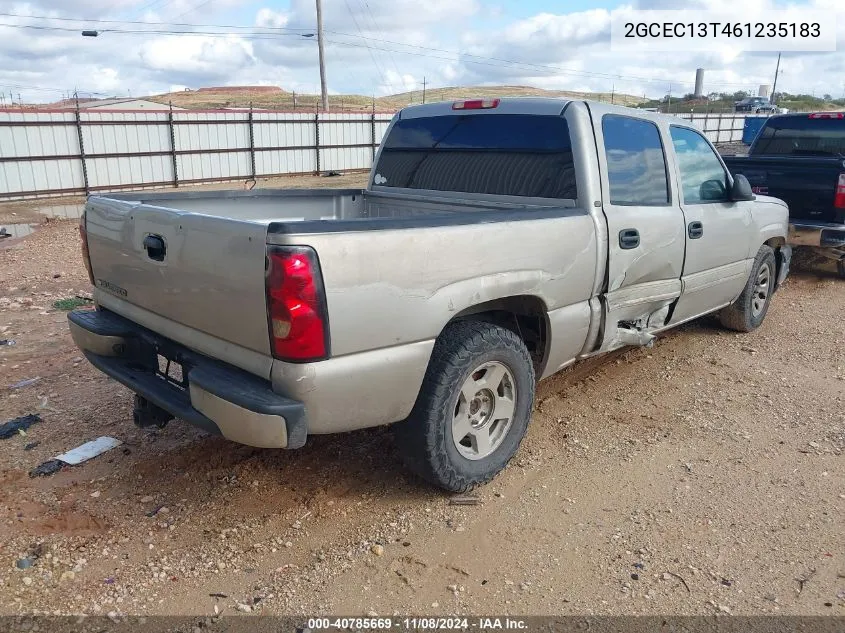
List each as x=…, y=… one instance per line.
x=669, y=101
x=323, y=91
x=423, y=89
x=775, y=84
x=612, y=93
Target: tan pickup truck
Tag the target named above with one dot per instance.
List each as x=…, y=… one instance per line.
x=497, y=242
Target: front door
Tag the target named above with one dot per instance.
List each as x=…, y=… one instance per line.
x=718, y=261
x=645, y=224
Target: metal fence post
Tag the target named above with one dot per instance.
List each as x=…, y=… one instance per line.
x=317, y=140
x=82, y=150
x=373, y=137
x=173, y=160
x=251, y=144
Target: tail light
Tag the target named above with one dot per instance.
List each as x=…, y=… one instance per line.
x=827, y=115
x=476, y=104
x=86, y=255
x=296, y=305
x=839, y=198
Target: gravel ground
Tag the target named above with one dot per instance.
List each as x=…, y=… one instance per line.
x=702, y=476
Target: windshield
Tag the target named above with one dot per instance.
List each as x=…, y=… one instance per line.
x=801, y=135
x=501, y=154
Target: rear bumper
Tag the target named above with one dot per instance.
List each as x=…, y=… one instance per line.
x=215, y=396
x=823, y=234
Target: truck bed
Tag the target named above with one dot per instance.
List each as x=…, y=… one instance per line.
x=207, y=288
x=299, y=205
x=806, y=183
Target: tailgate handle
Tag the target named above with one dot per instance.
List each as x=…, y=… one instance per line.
x=155, y=247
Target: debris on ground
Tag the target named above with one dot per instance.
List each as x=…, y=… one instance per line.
x=70, y=303
x=674, y=575
x=331, y=174
x=89, y=450
x=76, y=456
x=32, y=445
x=7, y=342
x=22, y=423
x=378, y=550
x=803, y=581
x=25, y=383
x=24, y=563
x=464, y=500
x=47, y=468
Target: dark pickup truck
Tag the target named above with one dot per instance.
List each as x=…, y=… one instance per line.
x=800, y=158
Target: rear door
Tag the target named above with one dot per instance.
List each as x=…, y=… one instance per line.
x=645, y=224
x=719, y=231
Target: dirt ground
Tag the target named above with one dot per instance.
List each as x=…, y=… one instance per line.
x=702, y=476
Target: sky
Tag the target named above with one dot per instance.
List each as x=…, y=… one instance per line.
x=376, y=47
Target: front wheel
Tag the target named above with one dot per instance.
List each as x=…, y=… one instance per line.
x=473, y=408
x=748, y=311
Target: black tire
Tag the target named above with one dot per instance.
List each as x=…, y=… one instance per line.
x=840, y=267
x=741, y=315
x=425, y=437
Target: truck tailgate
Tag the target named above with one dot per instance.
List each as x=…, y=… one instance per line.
x=209, y=275
x=806, y=184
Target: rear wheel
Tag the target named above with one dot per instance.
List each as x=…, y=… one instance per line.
x=748, y=311
x=473, y=408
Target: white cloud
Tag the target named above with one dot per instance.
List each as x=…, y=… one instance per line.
x=196, y=55
x=382, y=46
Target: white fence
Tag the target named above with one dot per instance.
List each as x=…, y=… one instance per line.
x=721, y=128
x=65, y=152
x=54, y=153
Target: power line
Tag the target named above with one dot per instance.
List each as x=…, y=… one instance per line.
x=381, y=73
x=149, y=5
x=368, y=13
x=84, y=21
x=466, y=57
x=191, y=10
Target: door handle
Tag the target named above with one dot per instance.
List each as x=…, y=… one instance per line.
x=695, y=230
x=155, y=247
x=628, y=239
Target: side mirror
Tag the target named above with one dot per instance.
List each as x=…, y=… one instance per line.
x=712, y=190
x=741, y=189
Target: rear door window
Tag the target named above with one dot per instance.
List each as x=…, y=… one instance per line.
x=501, y=154
x=802, y=136
x=636, y=165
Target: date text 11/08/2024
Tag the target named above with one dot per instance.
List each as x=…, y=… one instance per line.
x=416, y=624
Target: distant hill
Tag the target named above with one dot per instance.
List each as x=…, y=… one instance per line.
x=459, y=92
x=275, y=98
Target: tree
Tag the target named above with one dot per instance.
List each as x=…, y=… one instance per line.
x=828, y=98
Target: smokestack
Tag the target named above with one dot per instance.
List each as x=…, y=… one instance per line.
x=699, y=83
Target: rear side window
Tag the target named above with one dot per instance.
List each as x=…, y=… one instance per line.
x=636, y=166
x=802, y=136
x=502, y=154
